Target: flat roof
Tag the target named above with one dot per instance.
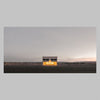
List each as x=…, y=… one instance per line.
x=55, y=57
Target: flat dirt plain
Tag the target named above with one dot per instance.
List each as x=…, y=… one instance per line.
x=36, y=67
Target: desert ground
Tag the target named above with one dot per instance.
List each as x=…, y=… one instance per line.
x=37, y=67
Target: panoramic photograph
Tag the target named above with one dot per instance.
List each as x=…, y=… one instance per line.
x=49, y=49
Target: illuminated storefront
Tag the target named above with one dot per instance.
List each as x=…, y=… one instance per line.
x=49, y=61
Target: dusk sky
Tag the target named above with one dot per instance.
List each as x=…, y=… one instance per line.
x=30, y=44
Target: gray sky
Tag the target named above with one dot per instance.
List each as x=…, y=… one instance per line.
x=29, y=44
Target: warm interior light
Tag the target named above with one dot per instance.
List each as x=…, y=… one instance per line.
x=50, y=63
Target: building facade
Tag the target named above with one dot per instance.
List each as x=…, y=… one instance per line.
x=49, y=61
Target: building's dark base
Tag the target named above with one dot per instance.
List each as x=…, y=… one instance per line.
x=50, y=69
